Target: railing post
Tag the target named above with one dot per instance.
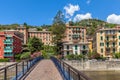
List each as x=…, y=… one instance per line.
x=69, y=72
x=23, y=67
x=16, y=71
x=27, y=65
x=79, y=76
x=5, y=73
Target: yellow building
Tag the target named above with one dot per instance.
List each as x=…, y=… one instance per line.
x=108, y=41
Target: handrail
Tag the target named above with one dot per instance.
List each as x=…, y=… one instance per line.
x=18, y=69
x=68, y=72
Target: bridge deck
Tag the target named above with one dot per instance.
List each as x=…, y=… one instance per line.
x=45, y=70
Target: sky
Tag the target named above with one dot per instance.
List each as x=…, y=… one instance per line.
x=39, y=12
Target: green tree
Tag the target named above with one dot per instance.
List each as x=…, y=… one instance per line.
x=116, y=55
x=58, y=29
x=34, y=44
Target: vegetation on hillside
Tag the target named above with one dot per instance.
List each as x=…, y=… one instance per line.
x=92, y=25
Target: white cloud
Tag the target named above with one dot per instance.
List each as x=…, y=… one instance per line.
x=88, y=1
x=70, y=10
x=113, y=18
x=80, y=17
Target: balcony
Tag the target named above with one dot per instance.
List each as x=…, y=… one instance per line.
x=8, y=50
x=75, y=36
x=76, y=30
x=8, y=41
x=110, y=34
x=111, y=40
x=8, y=47
x=8, y=55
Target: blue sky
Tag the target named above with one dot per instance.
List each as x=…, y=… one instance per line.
x=38, y=12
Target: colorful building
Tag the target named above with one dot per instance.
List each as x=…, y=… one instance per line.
x=107, y=41
x=75, y=41
x=10, y=44
x=76, y=48
x=45, y=36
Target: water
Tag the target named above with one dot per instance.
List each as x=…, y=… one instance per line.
x=103, y=75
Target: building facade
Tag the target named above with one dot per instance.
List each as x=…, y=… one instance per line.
x=108, y=41
x=10, y=44
x=76, y=48
x=75, y=34
x=45, y=36
x=75, y=41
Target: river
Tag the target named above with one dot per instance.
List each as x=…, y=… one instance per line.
x=103, y=75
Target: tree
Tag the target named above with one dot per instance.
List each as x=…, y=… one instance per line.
x=34, y=44
x=58, y=29
x=116, y=55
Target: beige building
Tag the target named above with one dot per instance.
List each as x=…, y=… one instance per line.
x=75, y=41
x=44, y=35
x=108, y=41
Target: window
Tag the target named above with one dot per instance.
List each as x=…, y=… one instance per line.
x=107, y=44
x=101, y=50
x=113, y=44
x=113, y=37
x=83, y=46
x=101, y=38
x=101, y=44
x=101, y=32
x=67, y=52
x=67, y=46
x=107, y=38
x=76, y=47
x=114, y=50
x=76, y=52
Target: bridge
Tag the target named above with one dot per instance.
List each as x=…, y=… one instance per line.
x=41, y=69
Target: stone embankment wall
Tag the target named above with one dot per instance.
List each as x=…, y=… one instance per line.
x=94, y=65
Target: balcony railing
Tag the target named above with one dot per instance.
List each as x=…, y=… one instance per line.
x=8, y=41
x=8, y=55
x=110, y=34
x=8, y=50
x=111, y=40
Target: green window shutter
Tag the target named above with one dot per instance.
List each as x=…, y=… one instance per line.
x=101, y=38
x=76, y=47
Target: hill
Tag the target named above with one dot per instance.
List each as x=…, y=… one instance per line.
x=92, y=25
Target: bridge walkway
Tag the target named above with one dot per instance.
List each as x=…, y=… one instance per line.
x=44, y=70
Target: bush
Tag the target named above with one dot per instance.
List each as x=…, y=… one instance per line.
x=5, y=60
x=25, y=55
x=17, y=56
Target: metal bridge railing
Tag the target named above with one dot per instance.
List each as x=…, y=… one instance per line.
x=68, y=72
x=16, y=71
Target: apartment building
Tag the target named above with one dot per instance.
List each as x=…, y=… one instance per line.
x=45, y=36
x=75, y=41
x=108, y=41
x=24, y=31
x=10, y=44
